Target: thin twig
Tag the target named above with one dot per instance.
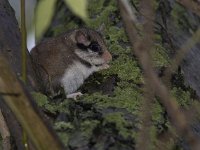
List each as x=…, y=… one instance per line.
x=190, y=4
x=24, y=60
x=144, y=138
x=185, y=48
x=176, y=116
x=23, y=44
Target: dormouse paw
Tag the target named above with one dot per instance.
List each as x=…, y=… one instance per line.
x=104, y=66
x=74, y=95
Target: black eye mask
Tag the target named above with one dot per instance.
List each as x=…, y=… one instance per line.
x=82, y=46
x=94, y=46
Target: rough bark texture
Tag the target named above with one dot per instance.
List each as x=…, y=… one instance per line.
x=13, y=125
x=9, y=47
x=10, y=41
x=5, y=133
x=10, y=44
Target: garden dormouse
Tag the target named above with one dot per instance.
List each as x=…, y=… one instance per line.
x=67, y=60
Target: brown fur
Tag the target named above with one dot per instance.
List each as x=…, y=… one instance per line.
x=53, y=56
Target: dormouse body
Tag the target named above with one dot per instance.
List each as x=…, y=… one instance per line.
x=67, y=60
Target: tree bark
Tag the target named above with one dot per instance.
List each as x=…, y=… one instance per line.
x=10, y=38
x=4, y=133
x=22, y=108
x=10, y=42
x=26, y=112
x=10, y=48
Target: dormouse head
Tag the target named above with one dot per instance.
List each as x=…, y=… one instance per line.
x=91, y=47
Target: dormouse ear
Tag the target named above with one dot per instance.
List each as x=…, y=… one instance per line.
x=81, y=38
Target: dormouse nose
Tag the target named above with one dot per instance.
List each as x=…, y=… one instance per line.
x=107, y=56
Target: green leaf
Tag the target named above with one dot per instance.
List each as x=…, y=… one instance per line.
x=78, y=7
x=44, y=14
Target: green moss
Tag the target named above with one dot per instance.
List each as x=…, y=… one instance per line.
x=136, y=3
x=121, y=124
x=128, y=98
x=153, y=139
x=40, y=99
x=100, y=13
x=88, y=126
x=126, y=68
x=64, y=137
x=127, y=95
x=158, y=37
x=63, y=106
x=64, y=130
x=124, y=98
x=50, y=108
x=155, y=4
x=179, y=16
x=58, y=30
x=43, y=101
x=80, y=137
x=183, y=97
x=63, y=126
x=160, y=56
x=96, y=8
x=115, y=34
x=158, y=115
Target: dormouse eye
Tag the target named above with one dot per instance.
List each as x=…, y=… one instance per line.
x=94, y=46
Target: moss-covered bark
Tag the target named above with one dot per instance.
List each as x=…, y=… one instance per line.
x=109, y=119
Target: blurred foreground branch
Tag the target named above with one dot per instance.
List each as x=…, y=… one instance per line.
x=21, y=105
x=146, y=9
x=176, y=116
x=23, y=42
x=192, y=5
x=185, y=48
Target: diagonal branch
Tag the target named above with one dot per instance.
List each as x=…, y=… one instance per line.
x=190, y=4
x=144, y=138
x=177, y=117
x=185, y=48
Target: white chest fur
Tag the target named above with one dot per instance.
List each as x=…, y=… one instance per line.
x=75, y=75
